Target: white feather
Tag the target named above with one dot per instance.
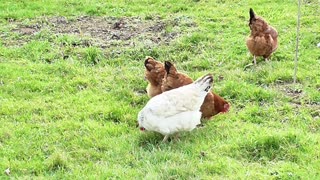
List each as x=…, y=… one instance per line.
x=175, y=110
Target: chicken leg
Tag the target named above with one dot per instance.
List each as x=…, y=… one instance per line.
x=165, y=138
x=266, y=59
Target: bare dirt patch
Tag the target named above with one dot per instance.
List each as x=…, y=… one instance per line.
x=298, y=99
x=105, y=32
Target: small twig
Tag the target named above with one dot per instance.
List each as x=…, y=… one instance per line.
x=297, y=44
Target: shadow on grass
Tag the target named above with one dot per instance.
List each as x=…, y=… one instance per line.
x=152, y=140
x=147, y=139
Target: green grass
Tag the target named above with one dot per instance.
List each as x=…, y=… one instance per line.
x=69, y=101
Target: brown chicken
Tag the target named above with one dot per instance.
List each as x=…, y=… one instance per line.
x=263, y=40
x=154, y=74
x=213, y=104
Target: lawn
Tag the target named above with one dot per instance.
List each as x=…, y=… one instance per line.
x=72, y=83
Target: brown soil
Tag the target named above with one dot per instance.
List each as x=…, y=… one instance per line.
x=106, y=32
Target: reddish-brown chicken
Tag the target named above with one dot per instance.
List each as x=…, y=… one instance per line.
x=154, y=74
x=263, y=40
x=213, y=104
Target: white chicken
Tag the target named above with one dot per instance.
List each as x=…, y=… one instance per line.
x=175, y=110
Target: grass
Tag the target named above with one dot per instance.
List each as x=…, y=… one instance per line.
x=68, y=102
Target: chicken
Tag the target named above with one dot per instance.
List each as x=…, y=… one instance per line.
x=213, y=103
x=176, y=110
x=173, y=78
x=263, y=40
x=154, y=73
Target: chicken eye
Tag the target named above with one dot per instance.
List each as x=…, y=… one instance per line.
x=207, y=88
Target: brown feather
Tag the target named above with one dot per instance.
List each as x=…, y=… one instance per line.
x=263, y=39
x=154, y=73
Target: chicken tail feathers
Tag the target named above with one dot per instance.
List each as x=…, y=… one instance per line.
x=252, y=18
x=146, y=64
x=167, y=66
x=205, y=82
x=251, y=13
